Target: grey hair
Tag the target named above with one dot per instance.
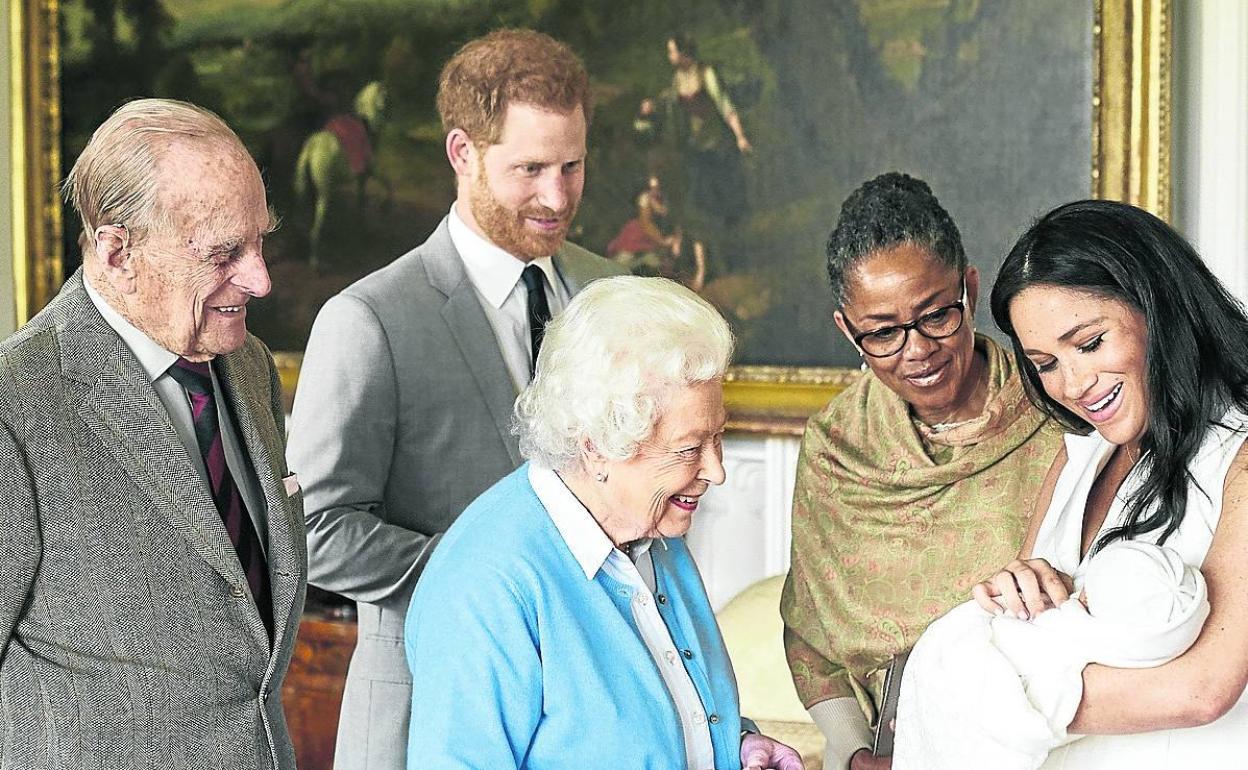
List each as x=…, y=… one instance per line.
x=888, y=211
x=115, y=179
x=607, y=362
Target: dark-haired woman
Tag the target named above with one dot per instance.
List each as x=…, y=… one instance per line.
x=1126, y=337
x=918, y=479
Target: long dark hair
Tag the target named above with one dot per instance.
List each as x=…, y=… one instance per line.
x=1197, y=346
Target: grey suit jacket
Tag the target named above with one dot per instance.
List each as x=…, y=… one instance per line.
x=128, y=635
x=401, y=419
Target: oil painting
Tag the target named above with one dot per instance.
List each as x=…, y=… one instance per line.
x=724, y=137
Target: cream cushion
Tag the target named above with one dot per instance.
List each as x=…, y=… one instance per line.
x=753, y=633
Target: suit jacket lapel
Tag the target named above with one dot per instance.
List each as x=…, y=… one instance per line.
x=472, y=333
x=265, y=448
x=245, y=478
x=575, y=270
x=120, y=406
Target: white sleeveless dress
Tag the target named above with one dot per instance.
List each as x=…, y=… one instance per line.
x=1222, y=744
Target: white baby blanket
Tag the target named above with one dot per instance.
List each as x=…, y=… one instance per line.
x=985, y=691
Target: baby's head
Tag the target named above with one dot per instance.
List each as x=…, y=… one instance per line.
x=1138, y=583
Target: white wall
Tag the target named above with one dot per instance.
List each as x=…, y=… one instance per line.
x=741, y=531
x=1211, y=134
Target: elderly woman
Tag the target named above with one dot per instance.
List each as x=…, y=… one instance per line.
x=912, y=481
x=1126, y=338
x=562, y=622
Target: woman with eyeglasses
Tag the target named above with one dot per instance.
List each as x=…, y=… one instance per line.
x=917, y=479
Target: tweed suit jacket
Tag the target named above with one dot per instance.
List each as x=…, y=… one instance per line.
x=401, y=419
x=128, y=635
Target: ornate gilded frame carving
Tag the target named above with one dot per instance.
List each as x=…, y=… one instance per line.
x=1130, y=162
x=36, y=129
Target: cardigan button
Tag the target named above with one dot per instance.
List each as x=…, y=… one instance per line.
x=687, y=653
x=713, y=719
x=661, y=598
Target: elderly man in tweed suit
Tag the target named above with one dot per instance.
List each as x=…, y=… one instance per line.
x=153, y=565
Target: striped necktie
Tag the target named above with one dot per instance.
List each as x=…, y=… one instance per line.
x=196, y=379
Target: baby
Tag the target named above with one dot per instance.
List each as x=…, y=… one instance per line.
x=995, y=691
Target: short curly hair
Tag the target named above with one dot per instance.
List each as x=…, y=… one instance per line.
x=505, y=66
x=608, y=363
x=887, y=211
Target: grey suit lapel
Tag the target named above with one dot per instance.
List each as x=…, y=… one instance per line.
x=265, y=450
x=122, y=409
x=575, y=269
x=237, y=456
x=472, y=332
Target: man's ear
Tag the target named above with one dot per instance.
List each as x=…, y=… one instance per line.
x=111, y=250
x=461, y=152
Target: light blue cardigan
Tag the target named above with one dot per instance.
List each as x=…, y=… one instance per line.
x=519, y=661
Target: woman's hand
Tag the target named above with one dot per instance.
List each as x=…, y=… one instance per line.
x=758, y=752
x=1025, y=588
x=863, y=759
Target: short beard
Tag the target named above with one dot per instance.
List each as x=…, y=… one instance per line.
x=505, y=227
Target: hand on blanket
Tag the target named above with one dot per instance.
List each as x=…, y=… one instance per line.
x=1025, y=588
x=758, y=752
x=863, y=759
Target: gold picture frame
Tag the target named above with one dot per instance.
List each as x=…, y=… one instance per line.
x=1130, y=111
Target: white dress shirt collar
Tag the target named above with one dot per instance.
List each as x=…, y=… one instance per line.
x=154, y=359
x=589, y=545
x=493, y=271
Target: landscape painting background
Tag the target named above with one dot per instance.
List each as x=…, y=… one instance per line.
x=990, y=102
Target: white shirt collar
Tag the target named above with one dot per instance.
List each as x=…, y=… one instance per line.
x=492, y=270
x=589, y=545
x=154, y=359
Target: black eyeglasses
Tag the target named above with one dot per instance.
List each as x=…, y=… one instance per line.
x=937, y=325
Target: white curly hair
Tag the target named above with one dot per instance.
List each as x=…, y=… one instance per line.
x=607, y=362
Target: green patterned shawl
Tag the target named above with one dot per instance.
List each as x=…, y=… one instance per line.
x=886, y=539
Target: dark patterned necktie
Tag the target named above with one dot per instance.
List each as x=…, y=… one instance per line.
x=196, y=378
x=539, y=310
